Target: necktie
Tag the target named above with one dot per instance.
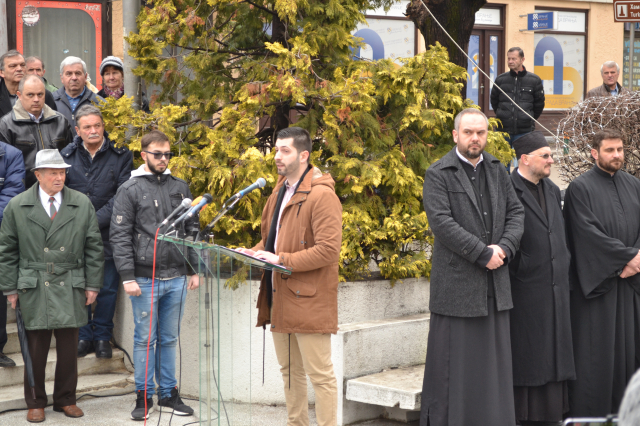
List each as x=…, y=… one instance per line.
x=52, y=208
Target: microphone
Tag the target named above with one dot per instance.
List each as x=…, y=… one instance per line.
x=260, y=183
x=204, y=200
x=184, y=205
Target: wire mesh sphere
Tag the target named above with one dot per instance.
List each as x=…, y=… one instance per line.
x=583, y=121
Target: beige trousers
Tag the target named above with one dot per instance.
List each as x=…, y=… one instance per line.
x=310, y=354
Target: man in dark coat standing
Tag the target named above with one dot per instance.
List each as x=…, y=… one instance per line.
x=523, y=88
x=540, y=322
x=98, y=169
x=477, y=222
x=601, y=209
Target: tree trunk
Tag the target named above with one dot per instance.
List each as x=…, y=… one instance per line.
x=456, y=16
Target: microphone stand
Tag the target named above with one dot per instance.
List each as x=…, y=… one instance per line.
x=226, y=207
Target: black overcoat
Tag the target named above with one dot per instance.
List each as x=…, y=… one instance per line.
x=458, y=284
x=540, y=319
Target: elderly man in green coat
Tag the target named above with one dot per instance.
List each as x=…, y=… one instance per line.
x=52, y=260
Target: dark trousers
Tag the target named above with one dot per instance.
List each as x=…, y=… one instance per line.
x=3, y=321
x=100, y=325
x=66, y=376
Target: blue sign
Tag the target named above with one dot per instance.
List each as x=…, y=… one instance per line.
x=541, y=21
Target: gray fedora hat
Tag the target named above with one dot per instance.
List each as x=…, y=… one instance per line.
x=49, y=159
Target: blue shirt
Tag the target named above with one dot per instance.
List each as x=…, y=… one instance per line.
x=614, y=92
x=75, y=101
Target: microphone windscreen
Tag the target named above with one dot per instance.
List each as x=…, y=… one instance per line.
x=196, y=201
x=261, y=182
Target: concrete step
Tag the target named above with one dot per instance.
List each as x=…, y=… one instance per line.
x=12, y=397
x=86, y=366
x=365, y=348
x=13, y=344
x=398, y=387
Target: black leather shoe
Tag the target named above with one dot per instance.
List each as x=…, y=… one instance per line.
x=84, y=347
x=103, y=349
x=5, y=361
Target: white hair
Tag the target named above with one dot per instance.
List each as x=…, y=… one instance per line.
x=72, y=60
x=609, y=64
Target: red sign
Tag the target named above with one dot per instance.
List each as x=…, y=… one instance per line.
x=626, y=11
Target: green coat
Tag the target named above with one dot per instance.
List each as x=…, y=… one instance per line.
x=51, y=262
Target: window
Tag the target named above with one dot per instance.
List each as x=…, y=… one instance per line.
x=54, y=30
x=387, y=36
x=560, y=59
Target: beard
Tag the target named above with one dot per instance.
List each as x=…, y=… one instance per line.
x=471, y=155
x=611, y=166
x=156, y=171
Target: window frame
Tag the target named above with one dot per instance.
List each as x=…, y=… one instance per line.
x=105, y=18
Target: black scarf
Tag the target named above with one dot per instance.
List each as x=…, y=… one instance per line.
x=271, y=238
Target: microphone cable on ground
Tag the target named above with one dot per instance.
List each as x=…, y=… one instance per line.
x=485, y=74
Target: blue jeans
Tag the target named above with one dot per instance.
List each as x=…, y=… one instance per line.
x=100, y=327
x=169, y=299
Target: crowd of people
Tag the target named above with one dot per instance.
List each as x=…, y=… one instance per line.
x=535, y=311
x=75, y=221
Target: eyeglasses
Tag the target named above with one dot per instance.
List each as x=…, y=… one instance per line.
x=159, y=155
x=543, y=156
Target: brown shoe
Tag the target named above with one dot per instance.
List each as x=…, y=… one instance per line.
x=69, y=410
x=35, y=415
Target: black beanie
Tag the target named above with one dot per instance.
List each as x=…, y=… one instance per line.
x=528, y=143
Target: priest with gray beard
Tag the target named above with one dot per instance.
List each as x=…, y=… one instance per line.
x=540, y=322
x=602, y=216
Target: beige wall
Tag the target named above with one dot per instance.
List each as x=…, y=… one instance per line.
x=605, y=38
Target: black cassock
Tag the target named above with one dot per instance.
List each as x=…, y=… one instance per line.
x=602, y=216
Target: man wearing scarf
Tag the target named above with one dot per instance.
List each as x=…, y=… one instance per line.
x=302, y=230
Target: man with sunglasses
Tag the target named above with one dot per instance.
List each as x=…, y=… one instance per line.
x=540, y=322
x=140, y=205
x=98, y=169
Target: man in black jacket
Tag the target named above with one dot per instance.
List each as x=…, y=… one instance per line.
x=523, y=88
x=540, y=321
x=32, y=126
x=12, y=69
x=140, y=205
x=99, y=169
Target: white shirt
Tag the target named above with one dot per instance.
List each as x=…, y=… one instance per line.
x=290, y=190
x=44, y=199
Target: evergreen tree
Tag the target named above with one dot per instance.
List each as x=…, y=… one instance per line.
x=232, y=73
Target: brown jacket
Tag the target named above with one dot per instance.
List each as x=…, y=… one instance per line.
x=603, y=90
x=309, y=243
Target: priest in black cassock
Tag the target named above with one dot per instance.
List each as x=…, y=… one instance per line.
x=477, y=222
x=540, y=323
x=602, y=215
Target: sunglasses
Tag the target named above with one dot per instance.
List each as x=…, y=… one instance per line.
x=543, y=156
x=159, y=155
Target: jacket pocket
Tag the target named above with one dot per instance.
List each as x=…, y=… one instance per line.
x=526, y=94
x=25, y=144
x=78, y=284
x=301, y=288
x=32, y=307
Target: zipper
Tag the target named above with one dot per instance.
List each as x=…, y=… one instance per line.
x=41, y=140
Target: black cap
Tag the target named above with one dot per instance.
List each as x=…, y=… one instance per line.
x=528, y=143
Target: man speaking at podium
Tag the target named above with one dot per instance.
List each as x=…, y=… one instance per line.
x=302, y=230
x=140, y=204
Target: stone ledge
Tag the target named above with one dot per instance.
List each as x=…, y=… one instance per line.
x=399, y=387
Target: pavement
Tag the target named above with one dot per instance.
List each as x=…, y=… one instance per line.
x=116, y=410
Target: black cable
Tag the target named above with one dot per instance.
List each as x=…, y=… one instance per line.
x=77, y=399
x=115, y=345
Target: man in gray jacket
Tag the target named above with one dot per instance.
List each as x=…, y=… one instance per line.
x=477, y=221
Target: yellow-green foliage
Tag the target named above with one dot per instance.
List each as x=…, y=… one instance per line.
x=376, y=126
